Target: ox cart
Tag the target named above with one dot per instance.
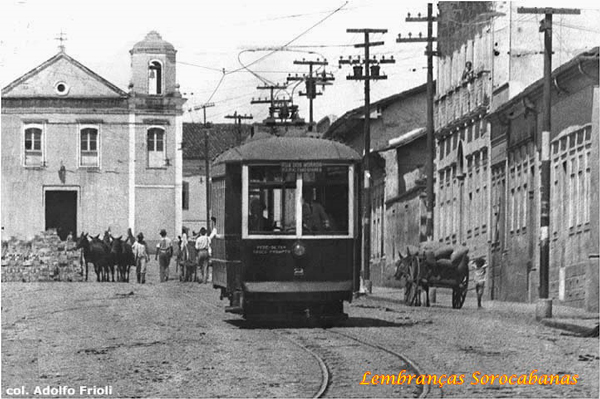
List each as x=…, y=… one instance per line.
x=434, y=265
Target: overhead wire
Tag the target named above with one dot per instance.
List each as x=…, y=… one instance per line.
x=280, y=48
x=294, y=39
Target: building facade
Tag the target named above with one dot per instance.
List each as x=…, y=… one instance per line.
x=397, y=158
x=81, y=155
x=486, y=58
x=404, y=195
x=516, y=141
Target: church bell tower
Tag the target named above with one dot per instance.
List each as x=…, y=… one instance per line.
x=153, y=67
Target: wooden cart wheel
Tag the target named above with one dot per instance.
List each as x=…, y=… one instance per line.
x=460, y=293
x=412, y=290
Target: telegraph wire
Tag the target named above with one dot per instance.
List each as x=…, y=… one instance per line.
x=199, y=66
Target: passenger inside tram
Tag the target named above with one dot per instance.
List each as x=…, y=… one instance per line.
x=257, y=221
x=314, y=217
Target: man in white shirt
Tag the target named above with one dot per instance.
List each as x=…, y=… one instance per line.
x=164, y=251
x=203, y=247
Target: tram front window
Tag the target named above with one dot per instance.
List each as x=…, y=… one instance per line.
x=325, y=201
x=272, y=200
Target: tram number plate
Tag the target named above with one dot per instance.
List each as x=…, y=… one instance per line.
x=298, y=272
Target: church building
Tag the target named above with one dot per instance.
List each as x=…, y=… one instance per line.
x=80, y=154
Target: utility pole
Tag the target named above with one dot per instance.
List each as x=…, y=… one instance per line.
x=203, y=108
x=268, y=100
x=311, y=84
x=371, y=72
x=206, y=161
x=238, y=124
x=545, y=306
x=430, y=19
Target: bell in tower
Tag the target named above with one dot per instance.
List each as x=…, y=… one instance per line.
x=153, y=62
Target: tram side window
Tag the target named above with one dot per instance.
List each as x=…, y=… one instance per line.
x=271, y=202
x=325, y=201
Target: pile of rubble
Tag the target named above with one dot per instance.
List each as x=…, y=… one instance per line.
x=45, y=258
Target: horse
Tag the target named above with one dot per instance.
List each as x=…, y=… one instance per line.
x=435, y=265
x=93, y=252
x=410, y=268
x=122, y=257
x=130, y=238
x=106, y=247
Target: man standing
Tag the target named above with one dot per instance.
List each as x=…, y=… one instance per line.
x=164, y=251
x=203, y=246
x=140, y=251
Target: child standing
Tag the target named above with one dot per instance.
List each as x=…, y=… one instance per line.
x=479, y=278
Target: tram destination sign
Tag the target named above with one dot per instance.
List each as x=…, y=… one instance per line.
x=301, y=167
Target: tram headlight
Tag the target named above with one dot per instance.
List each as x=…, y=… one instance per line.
x=298, y=250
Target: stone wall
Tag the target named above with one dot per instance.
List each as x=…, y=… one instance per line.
x=45, y=258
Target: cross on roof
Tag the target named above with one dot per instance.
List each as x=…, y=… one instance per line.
x=61, y=38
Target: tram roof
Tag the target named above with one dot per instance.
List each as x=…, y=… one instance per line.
x=289, y=149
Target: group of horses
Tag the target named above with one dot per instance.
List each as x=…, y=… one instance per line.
x=108, y=254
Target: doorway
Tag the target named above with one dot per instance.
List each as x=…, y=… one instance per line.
x=61, y=212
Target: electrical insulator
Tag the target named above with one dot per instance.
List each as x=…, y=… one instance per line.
x=357, y=71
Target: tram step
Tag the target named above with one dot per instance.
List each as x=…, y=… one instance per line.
x=234, y=309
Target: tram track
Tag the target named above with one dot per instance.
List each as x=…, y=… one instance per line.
x=335, y=370
x=328, y=355
x=412, y=365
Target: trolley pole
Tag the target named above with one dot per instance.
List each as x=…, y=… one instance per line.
x=427, y=232
x=544, y=307
x=371, y=72
x=206, y=161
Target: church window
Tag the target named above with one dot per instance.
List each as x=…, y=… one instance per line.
x=89, y=154
x=155, y=78
x=61, y=88
x=33, y=145
x=156, y=148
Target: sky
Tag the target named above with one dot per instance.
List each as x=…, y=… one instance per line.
x=225, y=47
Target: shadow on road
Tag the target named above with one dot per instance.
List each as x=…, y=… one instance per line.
x=353, y=322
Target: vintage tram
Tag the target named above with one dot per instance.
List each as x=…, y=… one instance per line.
x=286, y=210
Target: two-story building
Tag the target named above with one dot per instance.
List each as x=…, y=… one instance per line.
x=80, y=154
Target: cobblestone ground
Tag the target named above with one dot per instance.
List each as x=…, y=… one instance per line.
x=171, y=340
x=442, y=340
x=152, y=340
